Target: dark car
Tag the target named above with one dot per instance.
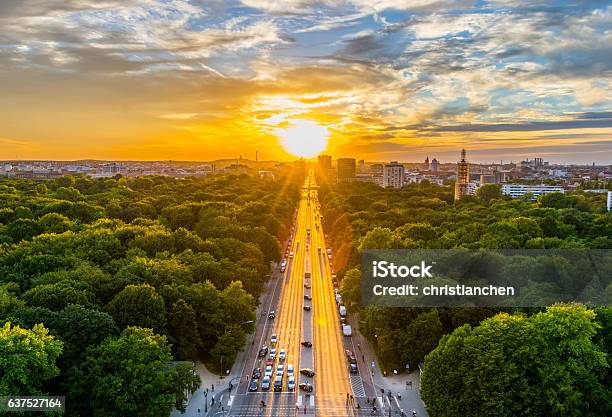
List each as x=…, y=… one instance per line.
x=352, y=359
x=307, y=344
x=263, y=351
x=253, y=385
x=272, y=314
x=307, y=372
x=307, y=308
x=307, y=286
x=278, y=384
x=353, y=368
x=306, y=386
x=307, y=297
x=256, y=373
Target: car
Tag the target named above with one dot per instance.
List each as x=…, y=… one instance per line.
x=348, y=352
x=272, y=354
x=256, y=373
x=272, y=315
x=291, y=254
x=352, y=359
x=278, y=384
x=307, y=286
x=273, y=339
x=253, y=385
x=263, y=351
x=353, y=368
x=307, y=297
x=265, y=383
x=283, y=268
x=291, y=383
x=290, y=369
x=268, y=372
x=319, y=249
x=282, y=354
x=307, y=372
x=306, y=386
x=343, y=320
x=307, y=308
x=280, y=370
x=307, y=343
x=269, y=362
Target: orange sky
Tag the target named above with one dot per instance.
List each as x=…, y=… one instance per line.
x=186, y=80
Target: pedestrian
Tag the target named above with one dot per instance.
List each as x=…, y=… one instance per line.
x=352, y=399
x=212, y=387
x=362, y=358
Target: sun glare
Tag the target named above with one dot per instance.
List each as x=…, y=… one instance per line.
x=305, y=138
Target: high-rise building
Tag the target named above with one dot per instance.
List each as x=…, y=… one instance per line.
x=346, y=169
x=434, y=166
x=609, y=200
x=393, y=175
x=463, y=177
x=361, y=166
x=426, y=167
x=324, y=163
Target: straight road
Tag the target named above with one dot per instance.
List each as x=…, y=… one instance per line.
x=309, y=273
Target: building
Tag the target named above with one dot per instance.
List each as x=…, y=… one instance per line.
x=609, y=200
x=346, y=169
x=519, y=190
x=324, y=163
x=361, y=166
x=377, y=174
x=393, y=175
x=434, y=166
x=426, y=164
x=463, y=177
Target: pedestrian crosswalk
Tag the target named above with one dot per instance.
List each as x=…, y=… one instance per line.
x=357, y=385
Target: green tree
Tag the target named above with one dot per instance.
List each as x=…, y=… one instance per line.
x=488, y=192
x=420, y=337
x=184, y=330
x=350, y=288
x=138, y=305
x=130, y=376
x=544, y=365
x=27, y=359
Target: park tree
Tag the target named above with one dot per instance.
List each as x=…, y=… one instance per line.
x=27, y=359
x=489, y=192
x=130, y=376
x=420, y=337
x=184, y=331
x=350, y=288
x=544, y=365
x=138, y=305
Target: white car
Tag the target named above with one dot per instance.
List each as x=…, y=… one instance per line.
x=291, y=383
x=282, y=355
x=280, y=370
x=268, y=371
x=272, y=354
x=290, y=369
x=273, y=339
x=291, y=254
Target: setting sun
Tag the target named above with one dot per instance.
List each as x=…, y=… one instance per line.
x=304, y=138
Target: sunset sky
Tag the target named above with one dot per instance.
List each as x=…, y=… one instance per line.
x=376, y=79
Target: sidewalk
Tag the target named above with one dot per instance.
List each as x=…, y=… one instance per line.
x=410, y=394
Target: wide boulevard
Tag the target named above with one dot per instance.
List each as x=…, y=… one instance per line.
x=301, y=310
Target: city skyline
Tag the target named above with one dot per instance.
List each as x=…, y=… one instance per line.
x=371, y=79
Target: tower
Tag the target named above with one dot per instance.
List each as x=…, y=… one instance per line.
x=463, y=177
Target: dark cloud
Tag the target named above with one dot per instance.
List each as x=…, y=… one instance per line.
x=588, y=120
